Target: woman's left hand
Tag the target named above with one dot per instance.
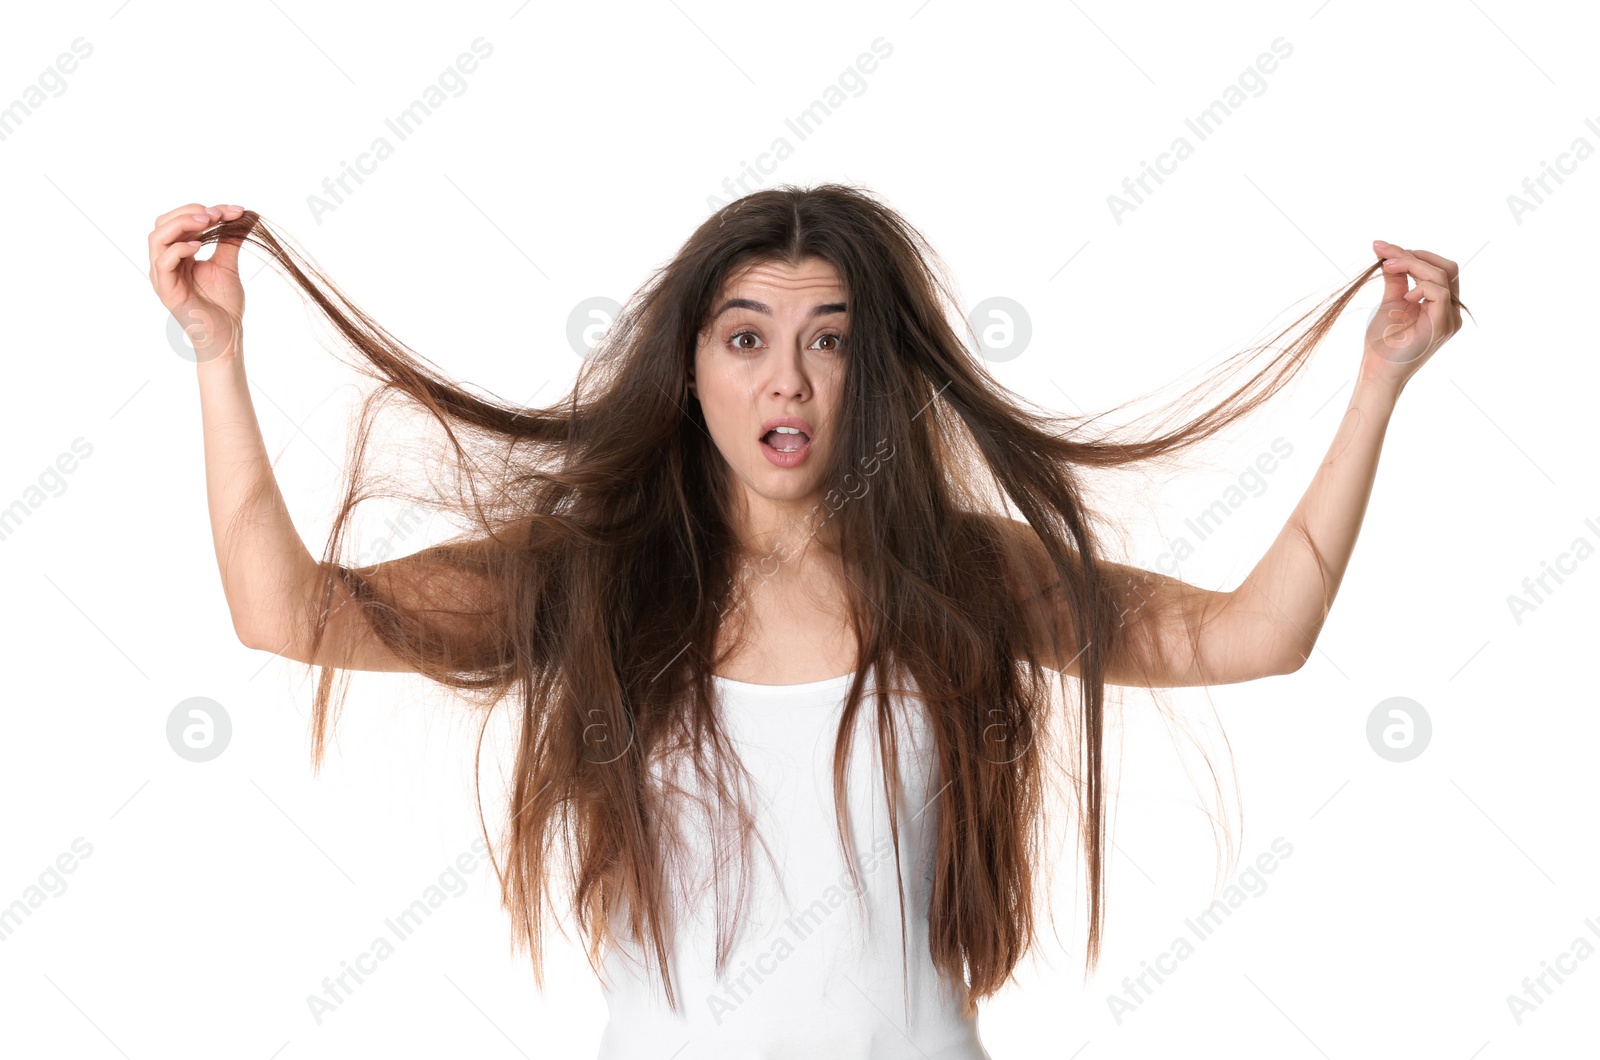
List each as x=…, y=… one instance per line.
x=1410, y=324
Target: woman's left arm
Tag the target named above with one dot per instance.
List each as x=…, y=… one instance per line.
x=1283, y=602
x=1183, y=635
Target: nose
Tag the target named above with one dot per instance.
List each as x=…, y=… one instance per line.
x=789, y=373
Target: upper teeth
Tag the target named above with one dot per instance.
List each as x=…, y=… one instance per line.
x=787, y=430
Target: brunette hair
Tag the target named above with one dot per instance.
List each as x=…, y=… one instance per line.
x=601, y=563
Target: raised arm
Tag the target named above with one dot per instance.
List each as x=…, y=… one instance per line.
x=448, y=593
x=1184, y=635
x=1285, y=599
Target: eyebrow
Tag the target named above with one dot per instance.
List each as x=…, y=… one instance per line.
x=762, y=307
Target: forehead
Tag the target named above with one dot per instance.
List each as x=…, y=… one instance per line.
x=810, y=277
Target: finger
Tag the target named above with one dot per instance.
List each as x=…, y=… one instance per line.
x=192, y=207
x=1419, y=270
x=226, y=256
x=227, y=252
x=164, y=272
x=1433, y=292
x=1442, y=314
x=181, y=226
x=1451, y=269
x=1394, y=283
x=1434, y=301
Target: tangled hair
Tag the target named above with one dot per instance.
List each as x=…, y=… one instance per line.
x=603, y=561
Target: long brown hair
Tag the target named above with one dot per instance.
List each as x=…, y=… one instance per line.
x=602, y=562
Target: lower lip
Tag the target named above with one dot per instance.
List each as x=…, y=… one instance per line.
x=793, y=459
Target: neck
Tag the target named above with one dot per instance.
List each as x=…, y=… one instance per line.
x=778, y=533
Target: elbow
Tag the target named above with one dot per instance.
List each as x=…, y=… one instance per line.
x=246, y=635
x=1289, y=645
x=252, y=636
x=1290, y=659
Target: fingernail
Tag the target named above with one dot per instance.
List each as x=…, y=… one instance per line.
x=1379, y=243
x=201, y=217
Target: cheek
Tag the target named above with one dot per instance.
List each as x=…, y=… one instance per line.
x=725, y=410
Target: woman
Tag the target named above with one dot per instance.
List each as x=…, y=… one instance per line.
x=775, y=496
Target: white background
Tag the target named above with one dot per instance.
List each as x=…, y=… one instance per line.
x=217, y=896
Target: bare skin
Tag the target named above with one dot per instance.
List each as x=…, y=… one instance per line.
x=1269, y=624
x=1266, y=626
x=267, y=572
x=749, y=366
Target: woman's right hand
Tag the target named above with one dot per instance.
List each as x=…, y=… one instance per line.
x=205, y=297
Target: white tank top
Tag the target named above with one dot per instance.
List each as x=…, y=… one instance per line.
x=807, y=976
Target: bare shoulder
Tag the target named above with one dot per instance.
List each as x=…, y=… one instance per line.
x=1169, y=633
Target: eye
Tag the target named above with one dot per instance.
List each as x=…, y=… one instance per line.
x=838, y=341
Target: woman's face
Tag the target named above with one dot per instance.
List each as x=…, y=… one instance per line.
x=772, y=351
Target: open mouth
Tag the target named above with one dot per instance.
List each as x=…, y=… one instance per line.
x=786, y=439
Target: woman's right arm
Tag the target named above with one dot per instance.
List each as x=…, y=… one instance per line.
x=268, y=575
